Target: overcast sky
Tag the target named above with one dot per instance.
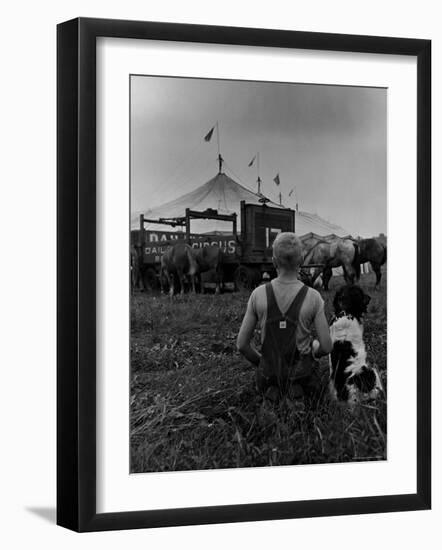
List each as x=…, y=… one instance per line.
x=327, y=142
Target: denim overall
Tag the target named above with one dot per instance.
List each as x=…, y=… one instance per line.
x=281, y=363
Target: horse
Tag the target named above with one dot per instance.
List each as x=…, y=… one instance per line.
x=309, y=240
x=375, y=252
x=338, y=252
x=178, y=261
x=210, y=257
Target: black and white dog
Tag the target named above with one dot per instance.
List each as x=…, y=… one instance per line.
x=351, y=379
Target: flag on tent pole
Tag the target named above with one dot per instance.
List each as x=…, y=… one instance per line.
x=276, y=179
x=208, y=136
x=252, y=161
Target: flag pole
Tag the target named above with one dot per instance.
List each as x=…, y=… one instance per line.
x=220, y=158
x=296, y=198
x=259, y=178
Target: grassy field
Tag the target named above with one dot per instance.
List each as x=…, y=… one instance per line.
x=193, y=402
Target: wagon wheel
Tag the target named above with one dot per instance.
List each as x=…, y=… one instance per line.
x=150, y=279
x=244, y=278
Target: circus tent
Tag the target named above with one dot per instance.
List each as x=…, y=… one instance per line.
x=224, y=194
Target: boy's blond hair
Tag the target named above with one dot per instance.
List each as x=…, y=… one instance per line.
x=287, y=251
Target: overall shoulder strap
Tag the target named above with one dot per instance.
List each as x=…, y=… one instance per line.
x=295, y=307
x=272, y=307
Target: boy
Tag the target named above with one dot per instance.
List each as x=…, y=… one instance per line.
x=285, y=310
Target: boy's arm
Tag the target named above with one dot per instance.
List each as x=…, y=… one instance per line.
x=323, y=332
x=243, y=342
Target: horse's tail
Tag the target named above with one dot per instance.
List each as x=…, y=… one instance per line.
x=384, y=257
x=193, y=265
x=356, y=263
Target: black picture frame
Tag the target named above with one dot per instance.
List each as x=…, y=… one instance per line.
x=76, y=274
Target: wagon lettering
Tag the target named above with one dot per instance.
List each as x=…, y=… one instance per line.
x=244, y=257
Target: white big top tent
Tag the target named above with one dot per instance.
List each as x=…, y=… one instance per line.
x=224, y=194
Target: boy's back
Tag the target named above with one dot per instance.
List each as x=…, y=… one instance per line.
x=285, y=293
x=286, y=311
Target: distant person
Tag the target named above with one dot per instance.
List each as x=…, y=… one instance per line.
x=286, y=310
